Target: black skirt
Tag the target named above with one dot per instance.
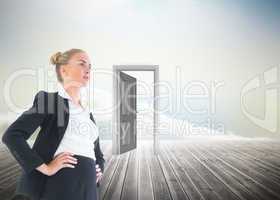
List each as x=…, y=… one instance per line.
x=77, y=183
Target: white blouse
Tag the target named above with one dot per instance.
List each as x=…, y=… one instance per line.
x=81, y=131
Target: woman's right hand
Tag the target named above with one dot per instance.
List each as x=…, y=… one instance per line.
x=62, y=160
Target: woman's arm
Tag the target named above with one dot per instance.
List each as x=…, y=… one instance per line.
x=17, y=134
x=99, y=160
x=97, y=150
x=99, y=155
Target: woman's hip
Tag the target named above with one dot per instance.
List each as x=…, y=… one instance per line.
x=83, y=170
x=73, y=183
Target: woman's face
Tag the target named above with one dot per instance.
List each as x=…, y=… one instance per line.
x=77, y=71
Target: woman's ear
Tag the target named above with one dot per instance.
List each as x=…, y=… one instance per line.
x=64, y=73
x=63, y=70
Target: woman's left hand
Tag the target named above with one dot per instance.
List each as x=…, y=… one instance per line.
x=99, y=174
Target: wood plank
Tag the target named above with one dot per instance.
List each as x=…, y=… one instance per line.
x=254, y=149
x=174, y=184
x=189, y=169
x=114, y=190
x=224, y=175
x=239, y=175
x=131, y=178
x=251, y=171
x=214, y=187
x=145, y=187
x=160, y=187
x=260, y=161
x=197, y=175
x=271, y=148
x=192, y=191
x=260, y=156
x=263, y=169
x=108, y=175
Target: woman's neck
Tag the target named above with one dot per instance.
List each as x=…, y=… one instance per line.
x=74, y=93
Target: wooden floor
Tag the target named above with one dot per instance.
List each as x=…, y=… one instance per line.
x=196, y=168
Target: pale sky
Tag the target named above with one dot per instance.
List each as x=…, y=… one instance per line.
x=225, y=41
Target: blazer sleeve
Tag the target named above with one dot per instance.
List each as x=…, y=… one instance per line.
x=97, y=150
x=17, y=134
x=99, y=155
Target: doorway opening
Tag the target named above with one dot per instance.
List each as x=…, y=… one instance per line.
x=124, y=126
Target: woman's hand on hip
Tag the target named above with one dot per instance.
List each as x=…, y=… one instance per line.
x=99, y=173
x=62, y=160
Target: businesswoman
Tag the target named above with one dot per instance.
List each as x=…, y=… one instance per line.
x=65, y=161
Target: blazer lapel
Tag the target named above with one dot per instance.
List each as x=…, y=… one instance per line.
x=62, y=116
x=91, y=117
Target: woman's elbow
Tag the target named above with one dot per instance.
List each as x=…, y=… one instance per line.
x=5, y=138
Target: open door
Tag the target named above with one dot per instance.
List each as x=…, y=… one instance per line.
x=127, y=114
x=124, y=117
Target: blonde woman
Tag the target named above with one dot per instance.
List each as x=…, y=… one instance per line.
x=65, y=161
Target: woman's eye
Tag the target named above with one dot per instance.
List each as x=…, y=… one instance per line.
x=85, y=65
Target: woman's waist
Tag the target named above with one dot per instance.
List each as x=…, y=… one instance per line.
x=86, y=155
x=84, y=169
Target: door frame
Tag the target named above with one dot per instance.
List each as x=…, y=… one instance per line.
x=116, y=108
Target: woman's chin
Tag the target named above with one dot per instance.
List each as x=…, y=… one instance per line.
x=85, y=83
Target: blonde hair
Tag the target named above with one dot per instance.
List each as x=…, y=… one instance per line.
x=62, y=58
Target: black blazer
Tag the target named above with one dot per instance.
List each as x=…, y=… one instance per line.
x=50, y=111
